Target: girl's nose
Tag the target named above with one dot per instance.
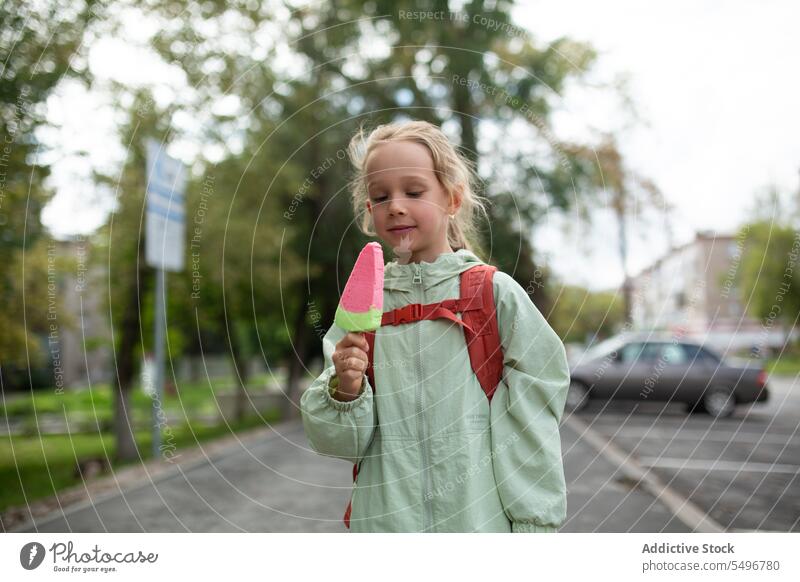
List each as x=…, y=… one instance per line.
x=396, y=206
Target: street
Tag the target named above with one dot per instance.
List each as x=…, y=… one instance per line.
x=736, y=474
x=742, y=471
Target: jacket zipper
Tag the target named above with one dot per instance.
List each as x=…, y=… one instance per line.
x=418, y=275
x=427, y=513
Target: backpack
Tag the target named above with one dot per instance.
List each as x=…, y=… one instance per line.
x=479, y=322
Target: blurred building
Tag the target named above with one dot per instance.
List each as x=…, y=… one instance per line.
x=83, y=336
x=692, y=291
x=79, y=339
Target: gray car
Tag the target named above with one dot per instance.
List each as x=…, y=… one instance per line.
x=658, y=367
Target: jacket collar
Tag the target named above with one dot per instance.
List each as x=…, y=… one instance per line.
x=447, y=265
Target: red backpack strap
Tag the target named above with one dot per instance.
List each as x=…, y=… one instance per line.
x=346, y=519
x=482, y=335
x=370, y=335
x=416, y=312
x=347, y=514
x=478, y=320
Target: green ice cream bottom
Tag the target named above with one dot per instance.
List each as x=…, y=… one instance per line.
x=365, y=321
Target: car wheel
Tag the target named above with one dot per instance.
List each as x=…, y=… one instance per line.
x=577, y=397
x=694, y=407
x=719, y=402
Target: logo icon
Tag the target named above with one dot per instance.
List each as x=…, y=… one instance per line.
x=31, y=555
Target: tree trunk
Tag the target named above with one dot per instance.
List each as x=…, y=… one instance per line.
x=462, y=104
x=123, y=431
x=240, y=370
x=126, y=368
x=290, y=406
x=623, y=257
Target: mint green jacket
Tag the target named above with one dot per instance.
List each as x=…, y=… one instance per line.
x=437, y=455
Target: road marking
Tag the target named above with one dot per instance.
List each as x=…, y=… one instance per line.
x=712, y=465
x=694, y=435
x=686, y=511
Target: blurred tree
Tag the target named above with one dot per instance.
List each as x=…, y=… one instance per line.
x=579, y=314
x=286, y=211
x=228, y=296
x=765, y=280
x=625, y=193
x=236, y=268
x=482, y=78
x=40, y=44
x=286, y=87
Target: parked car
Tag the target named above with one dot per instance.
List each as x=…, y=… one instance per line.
x=658, y=367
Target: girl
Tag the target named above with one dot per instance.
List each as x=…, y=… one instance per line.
x=434, y=453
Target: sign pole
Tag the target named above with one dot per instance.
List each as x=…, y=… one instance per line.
x=158, y=372
x=164, y=251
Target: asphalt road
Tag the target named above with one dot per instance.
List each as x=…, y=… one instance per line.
x=740, y=473
x=743, y=471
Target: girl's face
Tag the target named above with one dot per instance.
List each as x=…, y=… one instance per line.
x=408, y=204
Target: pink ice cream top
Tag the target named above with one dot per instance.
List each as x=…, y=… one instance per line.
x=364, y=288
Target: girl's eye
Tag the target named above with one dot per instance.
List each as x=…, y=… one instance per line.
x=377, y=199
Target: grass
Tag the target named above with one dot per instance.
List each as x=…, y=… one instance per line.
x=32, y=467
x=786, y=365
x=198, y=398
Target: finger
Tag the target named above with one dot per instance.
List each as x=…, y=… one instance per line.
x=356, y=352
x=343, y=355
x=356, y=364
x=351, y=338
x=357, y=339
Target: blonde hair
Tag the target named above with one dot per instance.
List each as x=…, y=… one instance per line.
x=451, y=169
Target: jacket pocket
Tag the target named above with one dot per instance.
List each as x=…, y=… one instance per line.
x=464, y=495
x=387, y=496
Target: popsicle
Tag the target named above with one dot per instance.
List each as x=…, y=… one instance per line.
x=361, y=305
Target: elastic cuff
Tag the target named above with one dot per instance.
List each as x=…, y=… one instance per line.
x=346, y=405
x=527, y=527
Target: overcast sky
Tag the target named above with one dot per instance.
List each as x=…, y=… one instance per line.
x=718, y=86
x=715, y=82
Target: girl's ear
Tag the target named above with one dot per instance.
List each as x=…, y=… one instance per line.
x=369, y=207
x=455, y=199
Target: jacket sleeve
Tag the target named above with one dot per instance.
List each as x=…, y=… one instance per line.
x=526, y=410
x=341, y=429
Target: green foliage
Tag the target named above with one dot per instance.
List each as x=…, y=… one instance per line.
x=580, y=314
x=276, y=236
x=38, y=47
x=766, y=278
x=356, y=62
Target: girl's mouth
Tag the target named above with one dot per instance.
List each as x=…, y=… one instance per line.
x=403, y=230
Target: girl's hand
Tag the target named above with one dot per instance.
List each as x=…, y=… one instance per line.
x=350, y=360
